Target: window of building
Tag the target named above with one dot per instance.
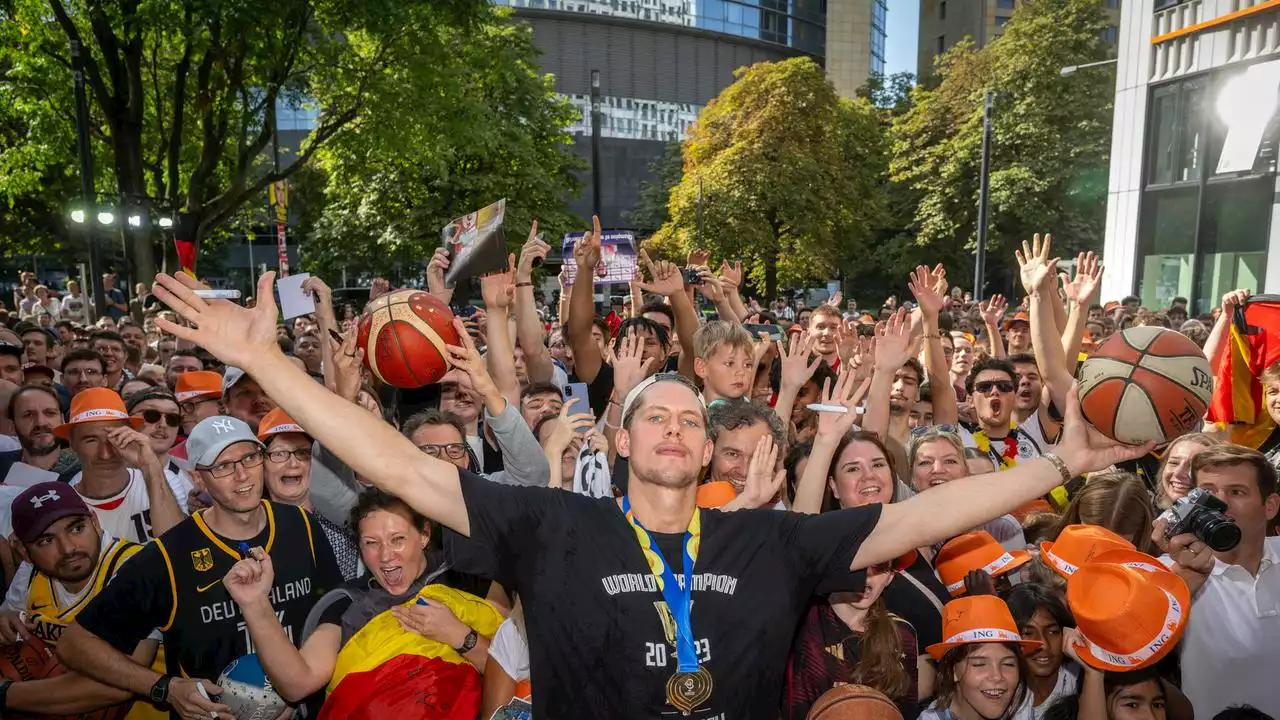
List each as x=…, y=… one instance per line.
x=942, y=44
x=942, y=10
x=1234, y=228
x=1109, y=35
x=1002, y=20
x=1111, y=4
x=1006, y=4
x=1176, y=141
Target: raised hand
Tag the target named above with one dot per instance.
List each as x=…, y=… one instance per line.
x=249, y=580
x=797, y=367
x=993, y=309
x=133, y=447
x=567, y=425
x=377, y=288
x=710, y=286
x=1234, y=299
x=1088, y=277
x=317, y=287
x=893, y=343
x=836, y=298
x=764, y=475
x=348, y=359
x=847, y=339
x=930, y=289
x=667, y=279
x=1037, y=267
x=630, y=366
x=532, y=253
x=586, y=253
x=467, y=358
x=237, y=336
x=436, y=284
x=731, y=274
x=499, y=289
x=1086, y=450
x=862, y=359
x=698, y=258
x=847, y=393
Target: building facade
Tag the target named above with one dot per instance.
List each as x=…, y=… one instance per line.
x=944, y=23
x=661, y=61
x=1192, y=190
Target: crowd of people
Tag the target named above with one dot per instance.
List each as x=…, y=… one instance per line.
x=640, y=509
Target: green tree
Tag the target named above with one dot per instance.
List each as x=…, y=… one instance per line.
x=791, y=176
x=651, y=212
x=183, y=95
x=391, y=187
x=1050, y=143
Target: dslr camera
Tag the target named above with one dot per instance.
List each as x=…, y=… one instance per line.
x=1202, y=515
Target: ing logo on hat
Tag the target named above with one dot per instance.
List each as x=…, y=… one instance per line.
x=38, y=501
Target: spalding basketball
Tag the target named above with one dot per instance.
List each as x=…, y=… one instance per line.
x=33, y=659
x=854, y=702
x=1145, y=383
x=403, y=335
x=247, y=690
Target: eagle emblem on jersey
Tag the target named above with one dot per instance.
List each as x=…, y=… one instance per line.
x=202, y=559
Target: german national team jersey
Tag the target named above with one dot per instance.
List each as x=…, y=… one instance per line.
x=51, y=607
x=126, y=514
x=175, y=584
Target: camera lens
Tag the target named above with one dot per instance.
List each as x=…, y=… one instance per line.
x=1217, y=531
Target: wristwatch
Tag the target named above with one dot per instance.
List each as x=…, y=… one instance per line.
x=4, y=694
x=468, y=643
x=160, y=691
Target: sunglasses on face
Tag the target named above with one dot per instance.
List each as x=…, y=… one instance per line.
x=937, y=429
x=986, y=386
x=152, y=417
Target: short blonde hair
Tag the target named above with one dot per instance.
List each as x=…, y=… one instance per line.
x=712, y=335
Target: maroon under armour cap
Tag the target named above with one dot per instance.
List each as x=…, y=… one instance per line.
x=40, y=506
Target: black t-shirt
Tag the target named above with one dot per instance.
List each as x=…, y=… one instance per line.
x=601, y=642
x=922, y=608
x=600, y=388
x=175, y=584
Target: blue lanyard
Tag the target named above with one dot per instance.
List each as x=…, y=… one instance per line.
x=679, y=599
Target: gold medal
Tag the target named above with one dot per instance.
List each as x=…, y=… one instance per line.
x=687, y=690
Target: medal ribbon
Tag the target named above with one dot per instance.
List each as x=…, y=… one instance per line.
x=679, y=599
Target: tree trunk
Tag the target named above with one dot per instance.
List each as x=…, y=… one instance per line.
x=771, y=278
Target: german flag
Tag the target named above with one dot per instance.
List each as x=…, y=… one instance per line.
x=1253, y=344
x=385, y=671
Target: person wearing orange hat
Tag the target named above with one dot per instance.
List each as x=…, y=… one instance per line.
x=1017, y=333
x=980, y=663
x=199, y=394
x=854, y=638
x=287, y=480
x=120, y=478
x=1076, y=544
x=975, y=552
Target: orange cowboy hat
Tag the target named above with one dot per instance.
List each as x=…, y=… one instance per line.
x=715, y=494
x=1077, y=545
x=95, y=405
x=197, y=384
x=278, y=422
x=979, y=619
x=976, y=550
x=1130, y=609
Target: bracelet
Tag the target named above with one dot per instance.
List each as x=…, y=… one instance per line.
x=932, y=336
x=1061, y=465
x=524, y=284
x=610, y=425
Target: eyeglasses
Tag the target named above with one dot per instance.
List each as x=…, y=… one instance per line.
x=190, y=405
x=282, y=456
x=453, y=451
x=986, y=386
x=83, y=373
x=252, y=460
x=937, y=429
x=152, y=417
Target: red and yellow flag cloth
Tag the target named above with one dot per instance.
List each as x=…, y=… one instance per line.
x=1253, y=344
x=184, y=242
x=385, y=671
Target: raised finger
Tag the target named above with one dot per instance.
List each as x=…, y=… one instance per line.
x=533, y=230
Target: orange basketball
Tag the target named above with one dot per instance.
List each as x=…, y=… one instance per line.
x=1145, y=383
x=854, y=702
x=34, y=660
x=403, y=336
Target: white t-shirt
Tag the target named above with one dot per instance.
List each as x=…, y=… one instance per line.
x=1068, y=686
x=1231, y=647
x=9, y=443
x=179, y=482
x=510, y=650
x=1029, y=436
x=126, y=514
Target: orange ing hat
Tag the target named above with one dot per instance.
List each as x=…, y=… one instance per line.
x=95, y=405
x=1016, y=317
x=1130, y=609
x=713, y=494
x=278, y=422
x=979, y=619
x=976, y=550
x=1077, y=545
x=198, y=384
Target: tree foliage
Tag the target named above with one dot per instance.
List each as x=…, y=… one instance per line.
x=650, y=211
x=790, y=176
x=1050, y=142
x=485, y=127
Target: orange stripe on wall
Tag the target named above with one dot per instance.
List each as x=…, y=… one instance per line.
x=1220, y=20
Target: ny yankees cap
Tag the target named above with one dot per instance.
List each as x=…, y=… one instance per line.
x=43, y=504
x=214, y=434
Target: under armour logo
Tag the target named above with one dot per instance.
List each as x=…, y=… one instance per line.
x=223, y=425
x=39, y=500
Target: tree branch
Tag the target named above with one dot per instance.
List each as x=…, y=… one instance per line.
x=91, y=70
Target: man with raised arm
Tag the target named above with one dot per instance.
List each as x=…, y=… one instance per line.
x=612, y=632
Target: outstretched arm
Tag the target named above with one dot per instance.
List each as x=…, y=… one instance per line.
x=930, y=288
x=530, y=335
x=1039, y=279
x=582, y=310
x=246, y=338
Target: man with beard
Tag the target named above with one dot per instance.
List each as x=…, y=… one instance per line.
x=83, y=369
x=736, y=428
x=73, y=560
x=244, y=398
x=121, y=478
x=755, y=571
x=175, y=582
x=35, y=412
x=181, y=361
x=110, y=346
